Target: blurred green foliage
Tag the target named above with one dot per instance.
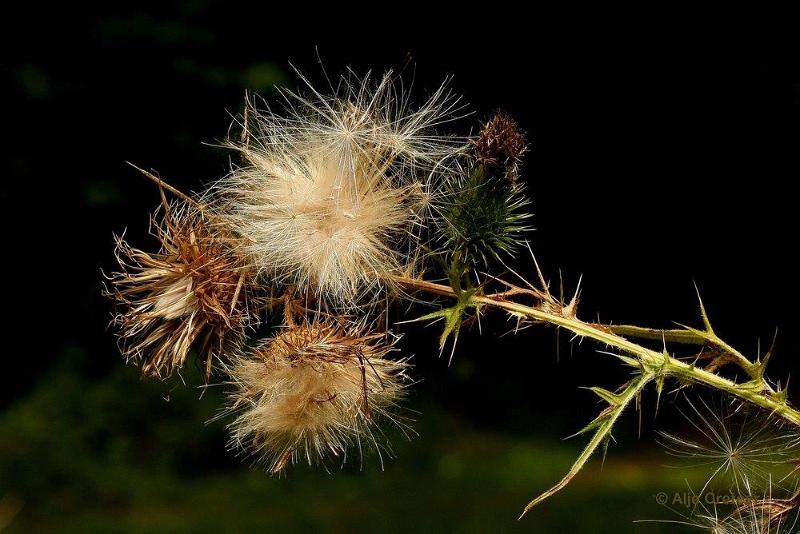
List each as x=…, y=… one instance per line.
x=122, y=454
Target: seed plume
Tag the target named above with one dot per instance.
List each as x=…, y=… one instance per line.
x=312, y=391
x=332, y=190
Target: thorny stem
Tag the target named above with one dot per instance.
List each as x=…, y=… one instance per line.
x=657, y=362
x=720, y=351
x=653, y=365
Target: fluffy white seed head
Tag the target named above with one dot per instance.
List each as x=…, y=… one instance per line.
x=312, y=391
x=333, y=188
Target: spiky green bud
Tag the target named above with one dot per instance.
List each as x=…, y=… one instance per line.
x=483, y=213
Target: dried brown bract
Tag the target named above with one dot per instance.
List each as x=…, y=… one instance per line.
x=775, y=512
x=313, y=390
x=501, y=144
x=193, y=293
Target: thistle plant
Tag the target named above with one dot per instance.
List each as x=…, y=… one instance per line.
x=342, y=205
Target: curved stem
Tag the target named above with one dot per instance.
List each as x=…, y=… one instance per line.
x=659, y=362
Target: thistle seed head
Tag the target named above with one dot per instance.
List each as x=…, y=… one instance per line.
x=194, y=292
x=332, y=191
x=312, y=391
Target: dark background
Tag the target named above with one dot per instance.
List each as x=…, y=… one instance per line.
x=659, y=157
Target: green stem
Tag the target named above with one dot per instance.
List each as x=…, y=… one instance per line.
x=690, y=336
x=632, y=390
x=655, y=361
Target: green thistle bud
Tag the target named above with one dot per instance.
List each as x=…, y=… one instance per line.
x=483, y=213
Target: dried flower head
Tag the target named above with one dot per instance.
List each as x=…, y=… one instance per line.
x=501, y=144
x=312, y=391
x=194, y=292
x=331, y=190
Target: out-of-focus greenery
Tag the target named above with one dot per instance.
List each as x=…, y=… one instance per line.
x=122, y=454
